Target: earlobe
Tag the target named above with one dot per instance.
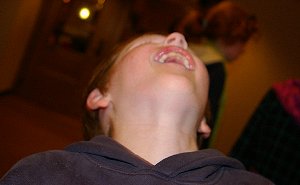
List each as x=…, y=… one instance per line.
x=204, y=129
x=97, y=100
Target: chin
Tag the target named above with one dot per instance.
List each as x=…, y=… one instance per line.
x=176, y=84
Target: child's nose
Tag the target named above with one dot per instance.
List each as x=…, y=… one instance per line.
x=176, y=39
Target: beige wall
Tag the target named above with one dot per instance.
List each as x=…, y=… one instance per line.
x=17, y=20
x=272, y=57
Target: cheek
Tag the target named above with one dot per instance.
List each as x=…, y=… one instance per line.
x=128, y=75
x=134, y=62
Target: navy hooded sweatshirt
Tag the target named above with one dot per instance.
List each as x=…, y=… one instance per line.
x=103, y=161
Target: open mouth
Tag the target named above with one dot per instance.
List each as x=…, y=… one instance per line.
x=176, y=55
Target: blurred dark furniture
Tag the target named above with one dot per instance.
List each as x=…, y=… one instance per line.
x=270, y=143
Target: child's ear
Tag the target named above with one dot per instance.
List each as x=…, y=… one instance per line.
x=204, y=129
x=97, y=100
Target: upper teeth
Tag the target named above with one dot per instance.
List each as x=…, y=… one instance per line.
x=178, y=56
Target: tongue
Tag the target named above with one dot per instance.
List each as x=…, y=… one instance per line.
x=173, y=60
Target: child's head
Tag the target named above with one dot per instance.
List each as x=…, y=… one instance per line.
x=150, y=68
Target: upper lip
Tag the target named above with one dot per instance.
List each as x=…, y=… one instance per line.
x=177, y=55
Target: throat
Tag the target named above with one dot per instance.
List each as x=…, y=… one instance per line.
x=155, y=144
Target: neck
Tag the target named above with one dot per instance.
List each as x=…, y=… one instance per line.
x=221, y=47
x=153, y=133
x=155, y=142
x=159, y=121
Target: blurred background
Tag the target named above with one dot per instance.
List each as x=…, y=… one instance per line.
x=48, y=49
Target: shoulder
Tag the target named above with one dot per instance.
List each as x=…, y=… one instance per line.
x=238, y=176
x=221, y=169
x=79, y=163
x=40, y=168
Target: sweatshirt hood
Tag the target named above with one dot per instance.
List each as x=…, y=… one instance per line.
x=206, y=164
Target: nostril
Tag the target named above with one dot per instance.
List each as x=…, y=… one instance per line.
x=176, y=39
x=181, y=42
x=171, y=40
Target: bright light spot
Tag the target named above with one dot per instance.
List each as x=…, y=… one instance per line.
x=84, y=13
